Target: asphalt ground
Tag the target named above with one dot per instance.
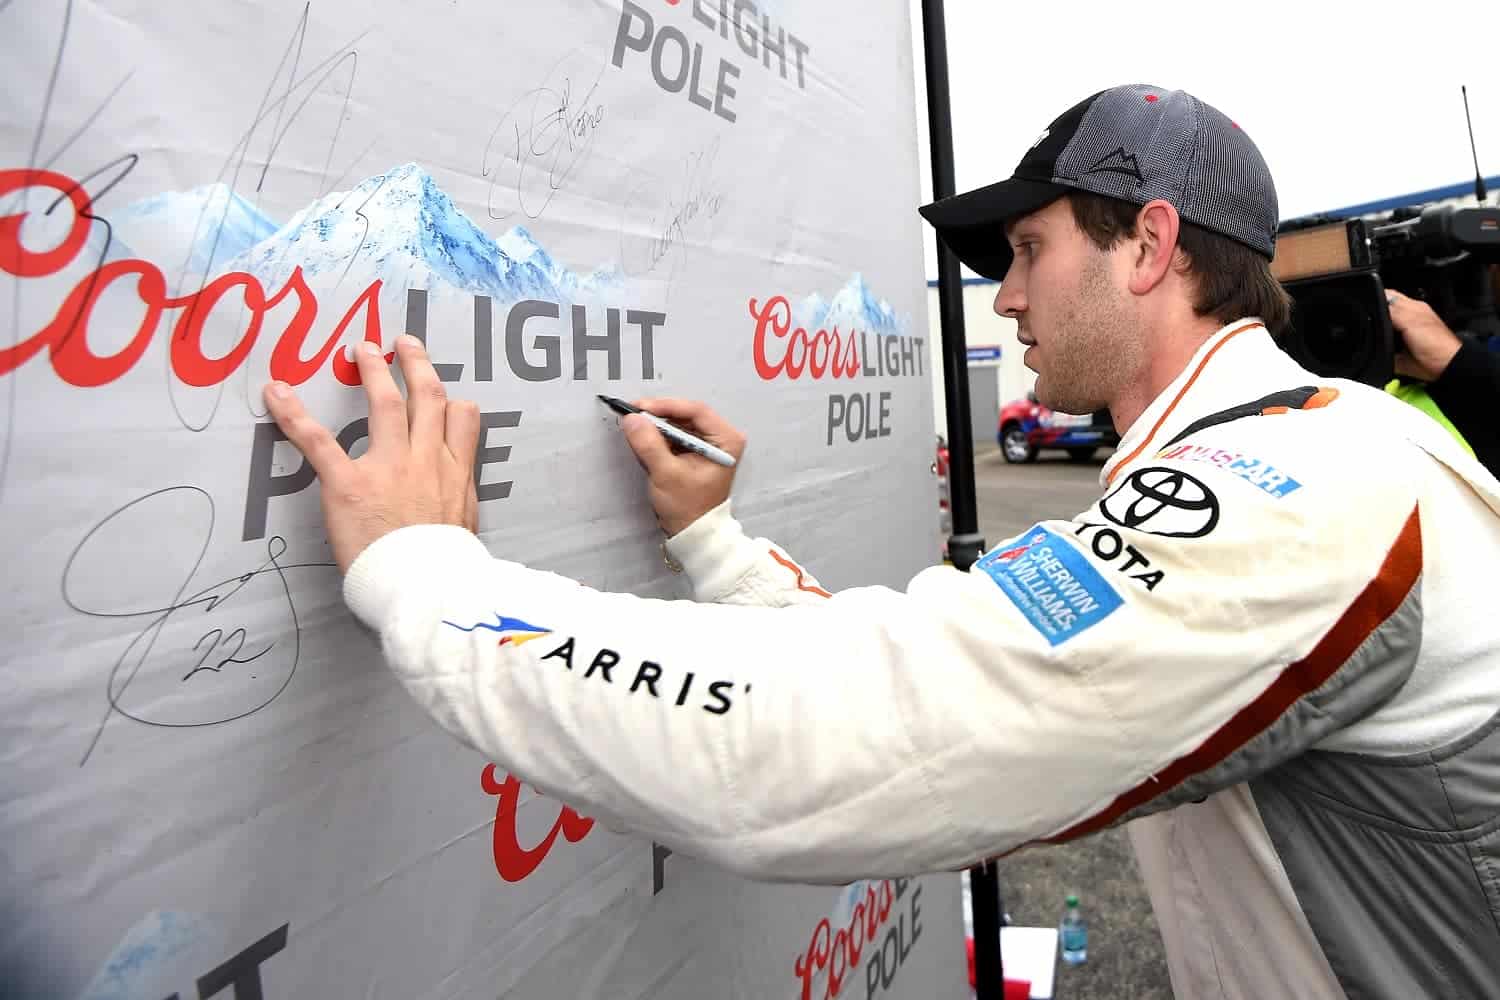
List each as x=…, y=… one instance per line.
x=1125, y=958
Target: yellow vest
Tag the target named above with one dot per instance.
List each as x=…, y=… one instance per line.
x=1416, y=394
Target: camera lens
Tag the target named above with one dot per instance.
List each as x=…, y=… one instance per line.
x=1334, y=334
x=1341, y=327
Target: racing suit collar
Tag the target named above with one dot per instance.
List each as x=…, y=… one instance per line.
x=1241, y=353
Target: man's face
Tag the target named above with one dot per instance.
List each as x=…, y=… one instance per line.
x=1072, y=310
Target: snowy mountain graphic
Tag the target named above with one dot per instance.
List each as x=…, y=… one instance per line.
x=401, y=227
x=201, y=229
x=855, y=307
x=521, y=247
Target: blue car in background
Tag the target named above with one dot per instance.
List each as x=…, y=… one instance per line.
x=1026, y=427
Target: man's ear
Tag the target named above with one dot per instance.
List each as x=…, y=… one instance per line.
x=1156, y=228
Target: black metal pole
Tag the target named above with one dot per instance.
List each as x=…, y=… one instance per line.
x=966, y=543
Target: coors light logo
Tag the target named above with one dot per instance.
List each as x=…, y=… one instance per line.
x=852, y=934
x=854, y=334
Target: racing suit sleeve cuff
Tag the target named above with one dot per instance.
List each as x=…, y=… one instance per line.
x=418, y=556
x=714, y=552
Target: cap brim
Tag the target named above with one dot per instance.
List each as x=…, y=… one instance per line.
x=972, y=224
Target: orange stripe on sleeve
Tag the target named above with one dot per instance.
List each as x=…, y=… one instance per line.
x=1376, y=603
x=801, y=576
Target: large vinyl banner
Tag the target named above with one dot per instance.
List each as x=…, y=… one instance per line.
x=212, y=786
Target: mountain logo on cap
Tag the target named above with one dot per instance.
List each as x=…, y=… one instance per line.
x=1118, y=162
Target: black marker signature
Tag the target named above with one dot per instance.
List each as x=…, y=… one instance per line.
x=234, y=657
x=291, y=86
x=308, y=85
x=539, y=141
x=216, y=648
x=31, y=164
x=685, y=214
x=365, y=232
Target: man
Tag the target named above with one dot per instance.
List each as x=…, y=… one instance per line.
x=1457, y=380
x=1269, y=644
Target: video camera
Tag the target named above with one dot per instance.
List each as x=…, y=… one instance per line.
x=1337, y=272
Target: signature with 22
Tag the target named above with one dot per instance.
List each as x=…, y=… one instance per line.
x=166, y=697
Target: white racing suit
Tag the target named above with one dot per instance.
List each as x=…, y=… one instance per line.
x=1272, y=644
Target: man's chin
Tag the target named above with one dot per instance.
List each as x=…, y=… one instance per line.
x=1069, y=406
x=1044, y=393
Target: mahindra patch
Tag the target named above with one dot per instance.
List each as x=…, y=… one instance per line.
x=1052, y=583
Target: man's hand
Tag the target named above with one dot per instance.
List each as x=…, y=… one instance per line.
x=1430, y=345
x=419, y=468
x=683, y=487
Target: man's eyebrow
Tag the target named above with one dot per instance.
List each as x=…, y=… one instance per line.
x=1021, y=230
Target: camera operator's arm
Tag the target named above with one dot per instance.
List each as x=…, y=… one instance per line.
x=1462, y=378
x=1468, y=391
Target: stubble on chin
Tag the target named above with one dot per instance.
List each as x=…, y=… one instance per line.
x=1098, y=353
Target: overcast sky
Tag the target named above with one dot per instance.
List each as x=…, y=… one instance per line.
x=1347, y=104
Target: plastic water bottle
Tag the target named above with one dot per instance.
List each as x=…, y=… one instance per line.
x=1073, y=934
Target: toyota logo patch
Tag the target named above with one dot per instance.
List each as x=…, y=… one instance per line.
x=1163, y=502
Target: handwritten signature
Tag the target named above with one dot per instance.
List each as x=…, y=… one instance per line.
x=234, y=657
x=686, y=214
x=539, y=141
x=287, y=95
x=95, y=563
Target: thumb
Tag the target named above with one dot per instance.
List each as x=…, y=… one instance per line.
x=648, y=443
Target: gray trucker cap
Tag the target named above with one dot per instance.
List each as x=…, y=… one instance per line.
x=1136, y=143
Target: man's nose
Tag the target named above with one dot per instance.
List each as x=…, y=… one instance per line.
x=1011, y=299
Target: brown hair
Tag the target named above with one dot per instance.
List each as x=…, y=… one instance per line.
x=1232, y=280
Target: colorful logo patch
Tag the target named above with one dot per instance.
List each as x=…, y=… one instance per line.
x=512, y=630
x=1262, y=475
x=1052, y=583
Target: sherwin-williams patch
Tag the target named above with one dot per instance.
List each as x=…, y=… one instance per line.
x=1051, y=582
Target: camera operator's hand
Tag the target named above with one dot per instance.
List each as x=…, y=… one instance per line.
x=683, y=486
x=1430, y=345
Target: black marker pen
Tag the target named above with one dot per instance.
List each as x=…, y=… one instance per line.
x=676, y=435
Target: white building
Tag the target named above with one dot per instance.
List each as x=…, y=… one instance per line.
x=996, y=374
